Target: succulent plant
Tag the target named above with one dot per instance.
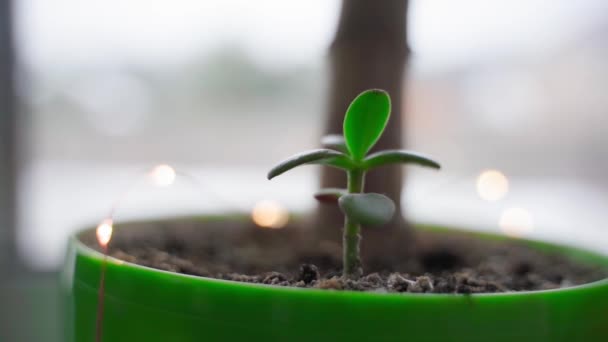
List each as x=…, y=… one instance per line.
x=364, y=123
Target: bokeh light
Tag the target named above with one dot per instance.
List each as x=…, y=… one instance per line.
x=163, y=175
x=270, y=214
x=104, y=232
x=516, y=222
x=492, y=185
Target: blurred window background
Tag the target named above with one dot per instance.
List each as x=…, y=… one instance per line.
x=222, y=89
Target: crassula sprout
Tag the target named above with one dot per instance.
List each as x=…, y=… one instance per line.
x=364, y=123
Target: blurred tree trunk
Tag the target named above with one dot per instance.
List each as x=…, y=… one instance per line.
x=369, y=51
x=7, y=143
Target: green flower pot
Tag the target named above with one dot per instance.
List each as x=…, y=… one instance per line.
x=144, y=304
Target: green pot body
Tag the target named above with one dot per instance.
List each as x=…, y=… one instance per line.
x=144, y=304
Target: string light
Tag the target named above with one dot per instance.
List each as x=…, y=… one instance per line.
x=104, y=233
x=161, y=175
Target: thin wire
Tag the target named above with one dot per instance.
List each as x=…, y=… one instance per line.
x=209, y=189
x=205, y=189
x=143, y=173
x=101, y=297
x=111, y=217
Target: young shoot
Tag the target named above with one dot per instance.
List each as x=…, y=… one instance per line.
x=364, y=123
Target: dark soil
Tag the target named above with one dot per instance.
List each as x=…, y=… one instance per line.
x=443, y=263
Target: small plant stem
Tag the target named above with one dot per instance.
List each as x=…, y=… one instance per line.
x=352, y=237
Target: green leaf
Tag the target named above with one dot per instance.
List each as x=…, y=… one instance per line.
x=398, y=156
x=320, y=156
x=367, y=209
x=335, y=142
x=365, y=121
x=330, y=195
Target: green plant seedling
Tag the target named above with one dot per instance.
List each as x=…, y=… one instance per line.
x=364, y=123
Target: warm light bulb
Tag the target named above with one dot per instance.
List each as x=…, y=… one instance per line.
x=516, y=222
x=492, y=185
x=162, y=175
x=270, y=214
x=104, y=232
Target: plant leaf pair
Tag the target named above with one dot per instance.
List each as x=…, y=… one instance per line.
x=330, y=195
x=367, y=209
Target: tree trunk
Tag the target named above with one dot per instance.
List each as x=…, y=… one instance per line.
x=369, y=51
x=7, y=144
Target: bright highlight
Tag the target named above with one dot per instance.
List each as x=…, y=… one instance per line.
x=104, y=232
x=270, y=214
x=492, y=185
x=516, y=222
x=163, y=175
